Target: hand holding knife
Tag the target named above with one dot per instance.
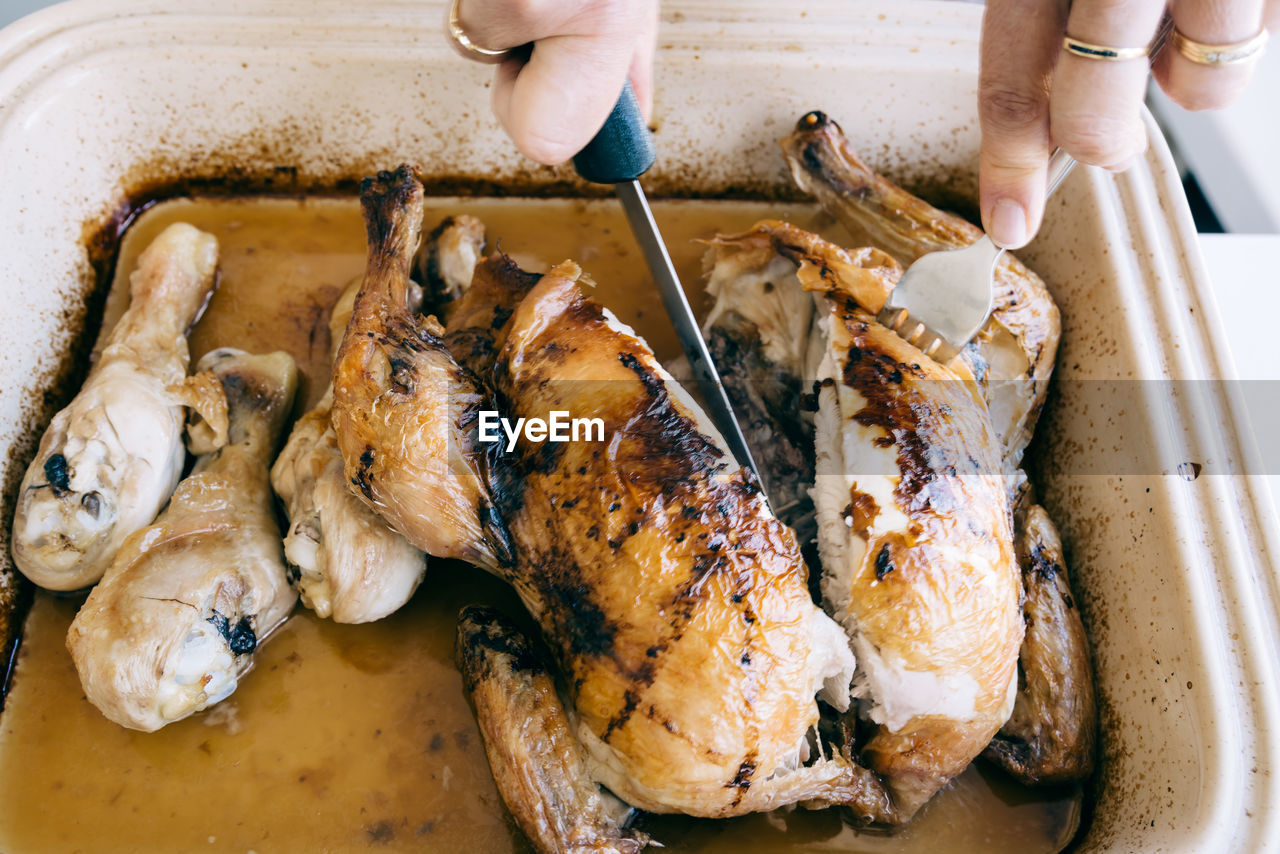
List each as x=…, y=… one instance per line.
x=619, y=154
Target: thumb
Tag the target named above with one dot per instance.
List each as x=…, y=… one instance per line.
x=554, y=104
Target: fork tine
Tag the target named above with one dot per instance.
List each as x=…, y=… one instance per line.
x=916, y=333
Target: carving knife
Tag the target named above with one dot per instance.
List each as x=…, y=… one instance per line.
x=619, y=154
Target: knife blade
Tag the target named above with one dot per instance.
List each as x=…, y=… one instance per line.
x=619, y=154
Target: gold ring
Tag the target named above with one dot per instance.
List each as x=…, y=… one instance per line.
x=465, y=46
x=1100, y=51
x=1217, y=55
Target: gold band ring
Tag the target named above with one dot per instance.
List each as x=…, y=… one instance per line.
x=465, y=46
x=1099, y=51
x=1218, y=55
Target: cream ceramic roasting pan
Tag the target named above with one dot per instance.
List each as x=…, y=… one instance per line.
x=105, y=101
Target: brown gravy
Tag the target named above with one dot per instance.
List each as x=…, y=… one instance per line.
x=349, y=738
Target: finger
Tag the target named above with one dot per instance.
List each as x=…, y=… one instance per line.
x=1095, y=106
x=641, y=74
x=1271, y=17
x=1207, y=87
x=1020, y=42
x=504, y=24
x=556, y=102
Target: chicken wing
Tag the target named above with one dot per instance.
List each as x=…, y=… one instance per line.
x=540, y=768
x=110, y=460
x=1052, y=734
x=173, y=625
x=404, y=411
x=1013, y=356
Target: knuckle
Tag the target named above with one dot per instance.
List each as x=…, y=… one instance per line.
x=1008, y=109
x=1098, y=141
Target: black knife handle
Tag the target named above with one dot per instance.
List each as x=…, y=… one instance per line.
x=623, y=149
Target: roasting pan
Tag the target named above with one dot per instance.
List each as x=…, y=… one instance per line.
x=105, y=103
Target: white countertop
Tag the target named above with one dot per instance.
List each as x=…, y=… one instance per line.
x=1243, y=272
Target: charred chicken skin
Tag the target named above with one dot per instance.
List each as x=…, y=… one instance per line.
x=109, y=461
x=174, y=623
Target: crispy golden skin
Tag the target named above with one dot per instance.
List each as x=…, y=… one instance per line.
x=1013, y=356
x=403, y=409
x=674, y=602
x=174, y=622
x=540, y=768
x=1051, y=736
x=918, y=564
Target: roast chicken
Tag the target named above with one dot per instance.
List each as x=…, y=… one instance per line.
x=776, y=343
x=342, y=558
x=912, y=509
x=110, y=460
x=673, y=603
x=1011, y=359
x=174, y=623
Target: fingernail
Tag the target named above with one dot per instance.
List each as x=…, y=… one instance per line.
x=1008, y=224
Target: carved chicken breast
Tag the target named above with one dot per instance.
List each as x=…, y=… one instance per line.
x=404, y=411
x=109, y=461
x=911, y=507
x=675, y=603
x=917, y=556
x=175, y=621
x=761, y=335
x=1013, y=356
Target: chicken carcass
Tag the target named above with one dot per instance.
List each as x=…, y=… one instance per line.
x=110, y=460
x=174, y=623
x=404, y=411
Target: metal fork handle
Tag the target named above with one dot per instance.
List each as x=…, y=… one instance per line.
x=1060, y=166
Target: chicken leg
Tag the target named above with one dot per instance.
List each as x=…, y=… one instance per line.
x=110, y=460
x=404, y=411
x=175, y=621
